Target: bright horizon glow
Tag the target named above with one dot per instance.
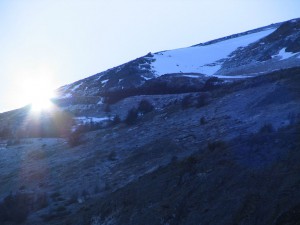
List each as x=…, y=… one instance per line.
x=74, y=39
x=38, y=93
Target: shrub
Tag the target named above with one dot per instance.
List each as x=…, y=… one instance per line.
x=74, y=138
x=132, y=116
x=216, y=145
x=116, y=120
x=266, y=128
x=202, y=120
x=112, y=156
x=15, y=208
x=201, y=101
x=6, y=132
x=107, y=108
x=186, y=102
x=145, y=106
x=211, y=83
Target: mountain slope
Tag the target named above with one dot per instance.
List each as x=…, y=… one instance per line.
x=206, y=59
x=178, y=164
x=249, y=53
x=133, y=145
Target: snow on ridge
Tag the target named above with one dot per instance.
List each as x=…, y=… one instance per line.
x=202, y=59
x=67, y=95
x=86, y=119
x=191, y=76
x=232, y=76
x=104, y=81
x=76, y=86
x=284, y=55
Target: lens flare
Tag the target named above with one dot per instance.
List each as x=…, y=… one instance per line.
x=38, y=93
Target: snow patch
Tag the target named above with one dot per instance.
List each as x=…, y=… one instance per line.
x=100, y=102
x=231, y=77
x=146, y=78
x=76, y=86
x=284, y=55
x=86, y=119
x=68, y=95
x=191, y=76
x=202, y=59
x=99, y=76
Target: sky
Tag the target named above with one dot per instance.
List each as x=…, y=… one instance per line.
x=62, y=41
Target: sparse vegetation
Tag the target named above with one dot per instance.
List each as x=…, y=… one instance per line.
x=203, y=120
x=107, y=108
x=116, y=120
x=145, y=106
x=112, y=156
x=266, y=128
x=132, y=116
x=186, y=102
x=215, y=145
x=194, y=100
x=75, y=138
x=16, y=207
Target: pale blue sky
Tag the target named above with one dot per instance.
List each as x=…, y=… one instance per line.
x=68, y=40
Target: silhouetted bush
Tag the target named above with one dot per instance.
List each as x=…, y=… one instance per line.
x=202, y=120
x=201, y=101
x=145, y=106
x=6, y=132
x=112, y=156
x=211, y=83
x=266, y=128
x=15, y=208
x=186, y=102
x=196, y=100
x=132, y=116
x=107, y=108
x=216, y=145
x=116, y=120
x=75, y=138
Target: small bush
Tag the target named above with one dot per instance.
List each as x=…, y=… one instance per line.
x=107, y=108
x=132, y=116
x=15, y=208
x=55, y=195
x=202, y=120
x=201, y=101
x=145, y=106
x=112, y=156
x=186, y=102
x=74, y=138
x=266, y=128
x=211, y=83
x=216, y=145
x=116, y=120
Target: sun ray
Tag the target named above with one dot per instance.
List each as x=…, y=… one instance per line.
x=37, y=92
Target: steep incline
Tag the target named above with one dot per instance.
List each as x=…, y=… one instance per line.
x=246, y=54
x=205, y=59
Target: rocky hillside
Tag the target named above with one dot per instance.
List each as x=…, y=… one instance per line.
x=202, y=135
x=186, y=70
x=227, y=156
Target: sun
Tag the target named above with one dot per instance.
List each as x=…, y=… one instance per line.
x=41, y=102
x=38, y=92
